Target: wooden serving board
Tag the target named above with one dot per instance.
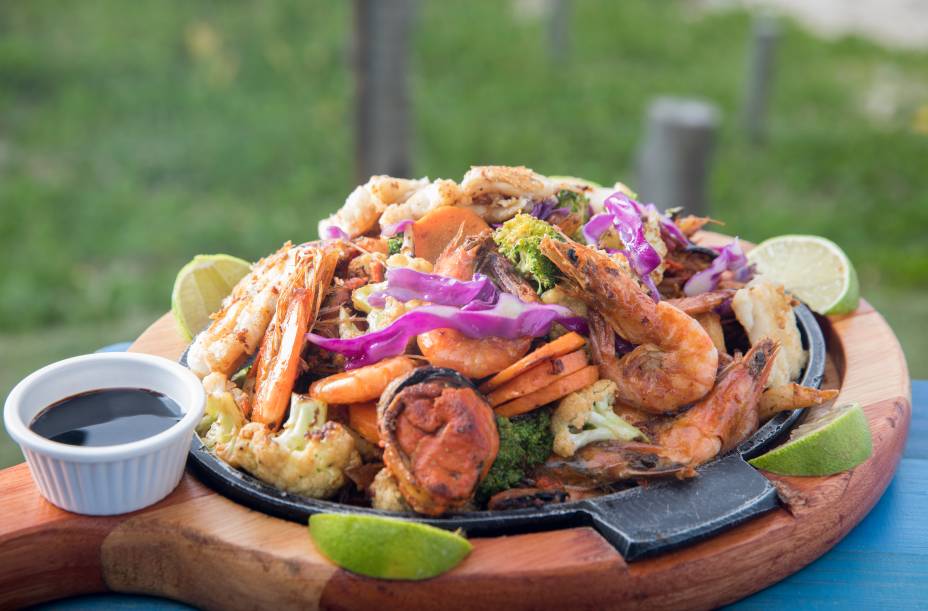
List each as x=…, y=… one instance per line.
x=198, y=547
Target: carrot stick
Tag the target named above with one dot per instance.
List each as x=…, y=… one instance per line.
x=558, y=390
x=362, y=417
x=559, y=347
x=539, y=376
x=432, y=232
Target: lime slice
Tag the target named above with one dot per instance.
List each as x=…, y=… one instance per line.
x=386, y=548
x=834, y=439
x=812, y=268
x=200, y=287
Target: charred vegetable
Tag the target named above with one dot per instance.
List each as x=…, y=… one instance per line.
x=439, y=438
x=518, y=240
x=524, y=443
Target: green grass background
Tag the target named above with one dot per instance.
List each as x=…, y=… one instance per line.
x=134, y=136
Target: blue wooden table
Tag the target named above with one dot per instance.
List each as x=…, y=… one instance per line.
x=881, y=564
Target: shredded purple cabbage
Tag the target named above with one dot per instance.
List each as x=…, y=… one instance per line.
x=546, y=208
x=334, y=232
x=642, y=257
x=509, y=318
x=731, y=258
x=391, y=230
x=594, y=229
x=404, y=284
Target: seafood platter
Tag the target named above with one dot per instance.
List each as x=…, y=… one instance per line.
x=572, y=377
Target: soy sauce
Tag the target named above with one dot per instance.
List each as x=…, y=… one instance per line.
x=107, y=417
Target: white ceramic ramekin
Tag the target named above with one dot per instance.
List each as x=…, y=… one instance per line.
x=111, y=479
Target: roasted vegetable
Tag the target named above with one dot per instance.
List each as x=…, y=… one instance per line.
x=586, y=416
x=307, y=457
x=577, y=202
x=524, y=443
x=518, y=240
x=395, y=245
x=223, y=417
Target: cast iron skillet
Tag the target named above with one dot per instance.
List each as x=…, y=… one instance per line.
x=639, y=522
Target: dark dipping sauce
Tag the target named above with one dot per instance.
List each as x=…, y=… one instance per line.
x=107, y=417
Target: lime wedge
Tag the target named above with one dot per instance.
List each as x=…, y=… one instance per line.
x=386, y=548
x=200, y=287
x=834, y=439
x=812, y=268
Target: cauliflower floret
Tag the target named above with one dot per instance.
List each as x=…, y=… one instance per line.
x=586, y=416
x=307, y=457
x=223, y=416
x=765, y=310
x=385, y=493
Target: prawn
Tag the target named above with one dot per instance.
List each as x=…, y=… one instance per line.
x=237, y=328
x=728, y=415
x=362, y=384
x=474, y=358
x=278, y=362
x=675, y=361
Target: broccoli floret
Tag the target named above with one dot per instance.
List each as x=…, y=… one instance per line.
x=395, y=244
x=519, y=239
x=524, y=443
x=586, y=416
x=222, y=417
x=577, y=202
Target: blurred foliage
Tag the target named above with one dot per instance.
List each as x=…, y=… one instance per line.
x=133, y=137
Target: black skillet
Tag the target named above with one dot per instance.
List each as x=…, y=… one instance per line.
x=639, y=522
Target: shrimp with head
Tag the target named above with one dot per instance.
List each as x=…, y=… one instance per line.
x=474, y=358
x=728, y=415
x=674, y=362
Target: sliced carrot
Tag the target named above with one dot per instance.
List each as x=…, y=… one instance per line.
x=559, y=347
x=432, y=232
x=558, y=390
x=539, y=376
x=362, y=417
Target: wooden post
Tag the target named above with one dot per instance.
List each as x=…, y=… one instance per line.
x=381, y=52
x=674, y=161
x=559, y=31
x=759, y=76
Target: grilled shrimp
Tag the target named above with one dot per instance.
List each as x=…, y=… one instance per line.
x=475, y=358
x=362, y=384
x=238, y=327
x=278, y=363
x=675, y=361
x=435, y=195
x=727, y=416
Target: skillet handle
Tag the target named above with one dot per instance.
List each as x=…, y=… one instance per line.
x=656, y=518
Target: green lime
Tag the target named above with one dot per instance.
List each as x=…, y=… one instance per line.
x=834, y=439
x=812, y=268
x=386, y=548
x=200, y=287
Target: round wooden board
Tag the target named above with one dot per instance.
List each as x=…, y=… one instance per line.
x=200, y=548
